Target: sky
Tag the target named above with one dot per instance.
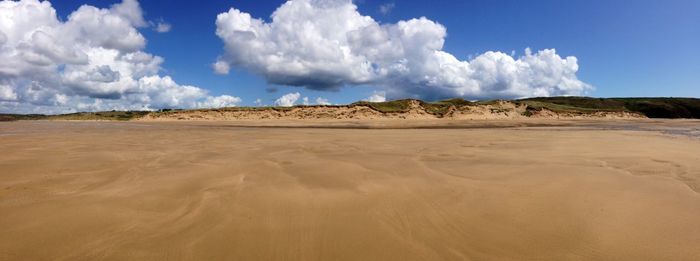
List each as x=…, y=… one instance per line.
x=78, y=55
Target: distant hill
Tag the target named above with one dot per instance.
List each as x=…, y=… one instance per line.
x=650, y=107
x=546, y=107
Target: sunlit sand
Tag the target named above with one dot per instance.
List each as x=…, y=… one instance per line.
x=394, y=190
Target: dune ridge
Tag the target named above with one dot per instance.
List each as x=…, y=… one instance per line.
x=412, y=109
x=457, y=108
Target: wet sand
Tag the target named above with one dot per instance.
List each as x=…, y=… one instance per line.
x=550, y=190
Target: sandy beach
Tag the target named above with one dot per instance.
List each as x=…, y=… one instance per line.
x=393, y=190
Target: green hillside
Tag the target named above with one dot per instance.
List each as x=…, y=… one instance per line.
x=651, y=107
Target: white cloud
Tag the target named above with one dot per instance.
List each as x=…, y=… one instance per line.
x=219, y=101
x=94, y=60
x=305, y=101
x=3, y=38
x=288, y=99
x=221, y=67
x=376, y=97
x=327, y=44
x=7, y=93
x=322, y=101
x=163, y=27
x=131, y=10
x=258, y=102
x=386, y=8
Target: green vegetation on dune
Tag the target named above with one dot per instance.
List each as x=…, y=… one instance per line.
x=105, y=115
x=387, y=106
x=650, y=107
x=574, y=103
x=456, y=102
x=665, y=107
x=17, y=117
x=438, y=108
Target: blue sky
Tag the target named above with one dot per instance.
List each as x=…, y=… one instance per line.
x=624, y=48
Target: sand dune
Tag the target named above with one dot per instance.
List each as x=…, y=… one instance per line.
x=416, y=110
x=170, y=191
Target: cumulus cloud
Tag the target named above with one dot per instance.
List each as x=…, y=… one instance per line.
x=322, y=101
x=7, y=93
x=327, y=44
x=94, y=60
x=288, y=99
x=163, y=27
x=221, y=67
x=131, y=10
x=219, y=101
x=376, y=97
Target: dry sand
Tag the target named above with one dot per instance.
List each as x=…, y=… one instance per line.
x=611, y=190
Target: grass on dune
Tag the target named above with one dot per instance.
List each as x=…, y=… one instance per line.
x=17, y=117
x=387, y=106
x=438, y=108
x=650, y=107
x=105, y=115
